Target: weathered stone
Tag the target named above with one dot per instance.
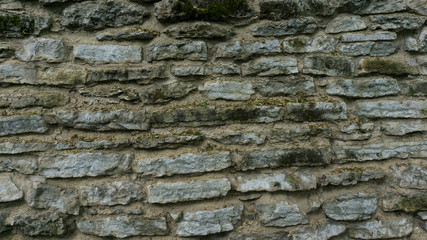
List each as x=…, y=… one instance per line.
x=283, y=9
x=241, y=138
x=17, y=73
x=39, y=224
x=246, y=50
x=392, y=109
x=387, y=67
x=410, y=202
x=46, y=99
x=108, y=53
x=411, y=44
x=126, y=34
x=45, y=196
x=20, y=165
x=356, y=49
x=395, y=227
x=364, y=88
x=184, y=164
x=378, y=6
x=323, y=44
x=22, y=124
x=294, y=133
x=16, y=148
x=167, y=141
x=102, y=120
x=3, y=225
x=230, y=90
x=403, y=128
x=89, y=144
x=324, y=231
x=381, y=49
x=353, y=131
x=362, y=37
x=21, y=25
x=8, y=190
x=287, y=86
x=414, y=177
x=188, y=70
x=396, y=22
x=83, y=164
x=99, y=15
x=124, y=226
x=222, y=68
x=70, y=75
x=142, y=75
x=196, y=50
x=202, y=223
x=274, y=182
x=42, y=49
x=345, y=23
x=6, y=51
x=272, y=66
x=165, y=92
x=417, y=6
x=350, y=176
x=381, y=151
x=111, y=193
x=286, y=28
x=173, y=192
x=199, y=30
x=350, y=207
x=416, y=87
x=281, y=235
x=280, y=214
x=422, y=215
x=318, y=111
x=284, y=158
x=328, y=65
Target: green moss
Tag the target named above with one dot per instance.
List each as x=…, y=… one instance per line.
x=388, y=67
x=413, y=203
x=156, y=95
x=214, y=9
x=297, y=43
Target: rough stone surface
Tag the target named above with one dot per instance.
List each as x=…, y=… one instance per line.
x=229, y=90
x=324, y=231
x=246, y=50
x=286, y=28
x=351, y=207
x=414, y=177
x=274, y=182
x=39, y=224
x=329, y=66
x=280, y=214
x=392, y=109
x=345, y=23
x=142, y=75
x=396, y=22
x=322, y=44
x=410, y=202
x=42, y=99
x=202, y=223
x=47, y=49
x=287, y=86
x=21, y=165
x=350, y=176
x=318, y=111
x=199, y=30
x=167, y=142
x=125, y=34
x=21, y=124
x=381, y=229
x=273, y=66
x=196, y=50
x=108, y=53
x=165, y=92
x=8, y=190
x=241, y=138
x=15, y=25
x=363, y=88
x=361, y=37
x=16, y=148
x=395, y=128
x=182, y=191
x=283, y=9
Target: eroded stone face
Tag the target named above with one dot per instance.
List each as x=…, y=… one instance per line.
x=351, y=207
x=391, y=228
x=8, y=190
x=280, y=214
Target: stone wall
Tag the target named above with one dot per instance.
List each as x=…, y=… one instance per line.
x=213, y=119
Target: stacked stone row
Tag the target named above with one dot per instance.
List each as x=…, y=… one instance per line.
x=281, y=119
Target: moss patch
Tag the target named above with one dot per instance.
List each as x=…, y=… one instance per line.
x=388, y=67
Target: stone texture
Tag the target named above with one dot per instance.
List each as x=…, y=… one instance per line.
x=286, y=28
x=8, y=190
x=395, y=128
x=356, y=49
x=39, y=224
x=142, y=75
x=380, y=229
x=167, y=141
x=363, y=37
x=293, y=133
x=272, y=66
x=387, y=67
x=36, y=99
x=350, y=207
x=416, y=87
x=280, y=214
x=324, y=231
x=124, y=226
x=22, y=124
x=53, y=76
x=164, y=93
x=100, y=15
x=246, y=50
x=350, y=176
x=184, y=164
x=283, y=9
x=409, y=202
x=363, y=88
x=381, y=49
x=202, y=223
x=317, y=111
x=274, y=182
x=379, y=6
x=21, y=165
x=45, y=49
x=16, y=148
x=323, y=44
x=127, y=34
x=196, y=50
x=345, y=23
x=21, y=25
x=396, y=22
x=287, y=86
x=164, y=192
x=417, y=6
x=282, y=235
x=199, y=30
x=111, y=193
x=414, y=177
x=329, y=66
x=241, y=138
x=17, y=73
x=230, y=90
x=83, y=164
x=392, y=109
x=108, y=53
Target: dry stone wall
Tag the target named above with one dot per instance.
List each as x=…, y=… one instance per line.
x=213, y=119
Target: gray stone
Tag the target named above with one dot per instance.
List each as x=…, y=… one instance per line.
x=17, y=73
x=164, y=192
x=229, y=90
x=356, y=49
x=202, y=223
x=285, y=157
x=350, y=176
x=416, y=87
x=323, y=44
x=165, y=92
x=381, y=151
x=280, y=214
x=102, y=120
x=286, y=28
x=422, y=215
x=364, y=88
x=392, y=109
x=108, y=53
x=414, y=177
x=396, y=22
x=411, y=44
x=3, y=225
x=222, y=68
x=274, y=182
x=381, y=49
x=324, y=231
x=417, y=6
x=196, y=50
x=408, y=202
x=363, y=37
x=387, y=67
x=287, y=86
x=402, y=128
x=33, y=99
x=199, y=30
x=247, y=50
x=83, y=164
x=293, y=133
x=329, y=66
x=126, y=34
x=318, y=111
x=380, y=6
x=244, y=138
x=42, y=49
x=394, y=227
x=167, y=141
x=272, y=66
x=188, y=70
x=54, y=76
x=111, y=193
x=22, y=25
x=124, y=226
x=284, y=9
x=353, y=131
x=22, y=124
x=143, y=75
x=24, y=166
x=8, y=190
x=252, y=235
x=184, y=164
x=351, y=207
x=16, y=148
x=39, y=224
x=99, y=15
x=345, y=23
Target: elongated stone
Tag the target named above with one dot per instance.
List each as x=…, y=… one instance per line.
x=350, y=176
x=22, y=124
x=414, y=177
x=408, y=202
x=21, y=165
x=108, y=53
x=273, y=66
x=329, y=66
x=286, y=28
x=392, y=109
x=394, y=227
x=362, y=37
x=39, y=224
x=126, y=34
x=323, y=231
x=166, y=142
x=246, y=50
x=395, y=128
x=345, y=23
x=199, y=30
x=356, y=49
x=21, y=25
x=196, y=50
x=16, y=148
x=322, y=44
x=143, y=75
x=318, y=111
x=280, y=214
x=396, y=22
x=36, y=99
x=229, y=90
x=365, y=88
x=287, y=86
x=350, y=207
